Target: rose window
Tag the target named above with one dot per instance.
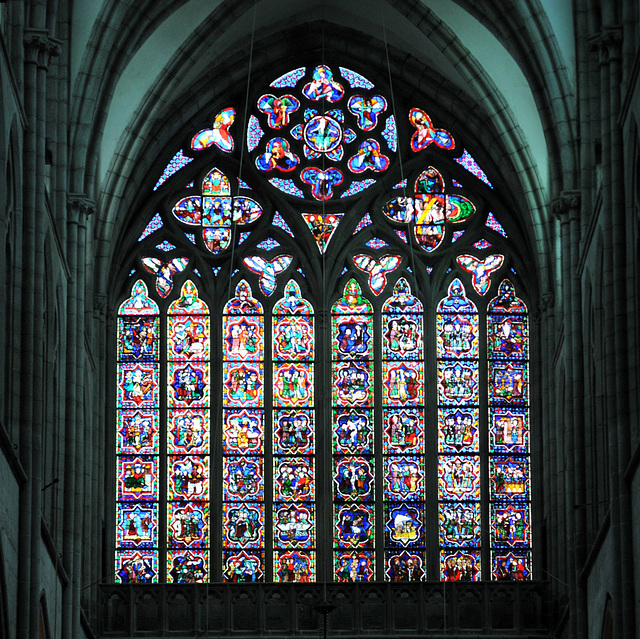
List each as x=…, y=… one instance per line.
x=332, y=118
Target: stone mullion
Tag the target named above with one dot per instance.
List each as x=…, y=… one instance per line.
x=38, y=48
x=607, y=46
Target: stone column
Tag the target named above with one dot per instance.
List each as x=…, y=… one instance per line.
x=39, y=47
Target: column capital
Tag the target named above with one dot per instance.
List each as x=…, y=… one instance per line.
x=607, y=44
x=40, y=47
x=80, y=207
x=566, y=207
x=546, y=303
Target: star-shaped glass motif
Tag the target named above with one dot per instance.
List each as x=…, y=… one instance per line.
x=215, y=211
x=429, y=210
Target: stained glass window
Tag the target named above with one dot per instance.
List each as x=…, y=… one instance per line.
x=458, y=436
x=138, y=440
x=188, y=405
x=353, y=473
x=243, y=517
x=509, y=471
x=310, y=431
x=403, y=435
x=294, y=486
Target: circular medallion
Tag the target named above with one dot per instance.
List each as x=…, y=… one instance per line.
x=322, y=133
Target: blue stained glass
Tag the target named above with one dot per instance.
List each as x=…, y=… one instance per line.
x=344, y=270
x=268, y=244
x=289, y=79
x=243, y=185
x=402, y=235
x=133, y=270
x=355, y=80
x=197, y=272
x=389, y=133
x=191, y=237
x=301, y=272
x=363, y=223
x=278, y=221
x=165, y=246
x=376, y=243
x=456, y=235
x=242, y=237
x=287, y=186
x=429, y=269
x=189, y=186
x=456, y=184
x=178, y=161
x=154, y=225
x=513, y=270
x=494, y=225
x=357, y=187
x=482, y=244
x=254, y=133
x=472, y=166
x=401, y=185
x=216, y=269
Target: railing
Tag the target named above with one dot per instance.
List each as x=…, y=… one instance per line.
x=285, y=610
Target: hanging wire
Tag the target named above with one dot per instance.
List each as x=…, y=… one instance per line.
x=234, y=225
x=399, y=151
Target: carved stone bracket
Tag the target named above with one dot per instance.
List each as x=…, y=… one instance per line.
x=566, y=207
x=607, y=44
x=40, y=47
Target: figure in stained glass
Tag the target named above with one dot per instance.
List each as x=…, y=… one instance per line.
x=510, y=477
x=242, y=384
x=458, y=429
x=187, y=431
x=460, y=566
x=294, y=526
x=188, y=524
x=509, y=524
x=404, y=566
x=278, y=109
x=508, y=382
x=218, y=134
x=243, y=337
x=403, y=431
x=243, y=432
x=402, y=383
x=293, y=338
x=292, y=384
x=242, y=478
x=459, y=477
x=137, y=525
x=323, y=85
x=293, y=431
x=508, y=337
x=457, y=335
x=509, y=431
x=243, y=524
x=368, y=157
x=458, y=383
x=242, y=567
x=367, y=109
x=138, y=385
x=277, y=155
x=188, y=477
x=321, y=182
x=404, y=478
x=137, y=338
x=189, y=384
x=402, y=336
x=135, y=567
x=352, y=431
x=189, y=336
x=294, y=478
x=137, y=431
x=425, y=132
x=377, y=269
x=354, y=526
x=187, y=567
x=353, y=337
x=294, y=566
x=480, y=270
x=511, y=566
x=268, y=270
x=352, y=383
x=354, y=566
x=353, y=478
x=460, y=524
